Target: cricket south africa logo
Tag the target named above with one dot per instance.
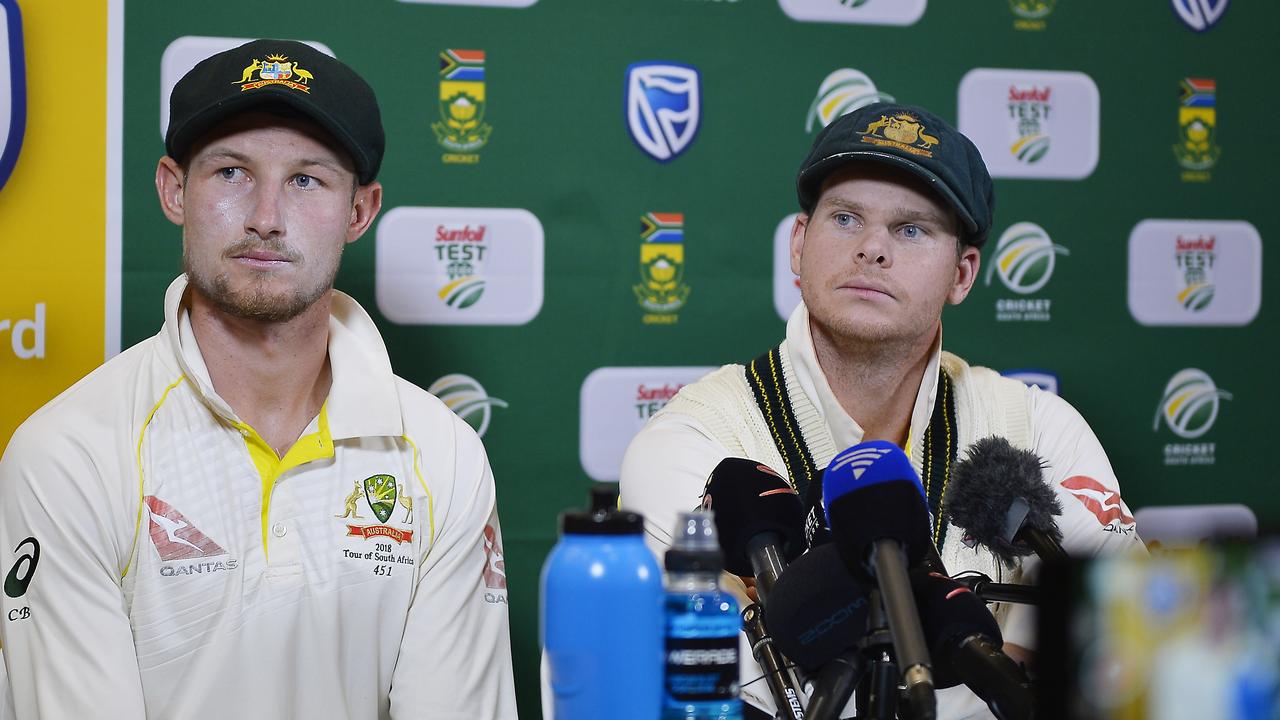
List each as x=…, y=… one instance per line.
x=1194, y=258
x=663, y=106
x=1190, y=404
x=275, y=70
x=381, y=494
x=462, y=129
x=466, y=397
x=1029, y=122
x=662, y=291
x=843, y=91
x=13, y=88
x=1197, y=150
x=1200, y=15
x=1031, y=14
x=1024, y=258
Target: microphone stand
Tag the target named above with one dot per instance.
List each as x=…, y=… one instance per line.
x=786, y=696
x=988, y=591
x=877, y=691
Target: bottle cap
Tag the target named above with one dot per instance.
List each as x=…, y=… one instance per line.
x=694, y=545
x=604, y=517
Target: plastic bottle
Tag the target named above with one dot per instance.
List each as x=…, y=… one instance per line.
x=601, y=623
x=702, y=625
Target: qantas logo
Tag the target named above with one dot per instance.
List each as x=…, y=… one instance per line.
x=495, y=567
x=1098, y=499
x=174, y=536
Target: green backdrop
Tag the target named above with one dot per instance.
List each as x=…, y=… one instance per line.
x=560, y=148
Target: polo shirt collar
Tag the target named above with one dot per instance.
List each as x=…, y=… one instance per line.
x=845, y=431
x=363, y=400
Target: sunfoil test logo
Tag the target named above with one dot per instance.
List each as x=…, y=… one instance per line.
x=1190, y=404
x=13, y=88
x=462, y=129
x=1194, y=257
x=1029, y=111
x=663, y=107
x=1024, y=258
x=467, y=398
x=1195, y=272
x=1200, y=15
x=842, y=92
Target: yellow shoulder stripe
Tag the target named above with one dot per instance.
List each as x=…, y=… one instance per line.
x=137, y=523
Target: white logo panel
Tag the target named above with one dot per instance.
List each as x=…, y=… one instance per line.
x=459, y=266
x=1195, y=272
x=855, y=12
x=615, y=402
x=183, y=54
x=477, y=3
x=1032, y=123
x=786, y=284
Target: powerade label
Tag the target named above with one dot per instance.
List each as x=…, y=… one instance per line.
x=701, y=669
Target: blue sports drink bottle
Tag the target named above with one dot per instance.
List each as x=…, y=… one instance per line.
x=601, y=624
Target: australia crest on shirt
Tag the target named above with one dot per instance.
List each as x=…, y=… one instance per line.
x=378, y=509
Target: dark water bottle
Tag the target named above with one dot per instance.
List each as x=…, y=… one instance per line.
x=601, y=624
x=702, y=625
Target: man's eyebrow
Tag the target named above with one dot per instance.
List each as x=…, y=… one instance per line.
x=220, y=153
x=326, y=163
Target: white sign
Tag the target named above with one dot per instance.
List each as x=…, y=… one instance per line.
x=855, y=12
x=459, y=266
x=786, y=284
x=1195, y=272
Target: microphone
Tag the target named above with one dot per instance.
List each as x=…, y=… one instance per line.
x=759, y=519
x=879, y=519
x=965, y=643
x=818, y=614
x=998, y=496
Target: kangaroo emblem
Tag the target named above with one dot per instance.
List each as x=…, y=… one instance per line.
x=249, y=71
x=407, y=501
x=351, y=500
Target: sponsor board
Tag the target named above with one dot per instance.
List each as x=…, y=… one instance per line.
x=13, y=88
x=614, y=403
x=1024, y=259
x=663, y=107
x=1043, y=379
x=855, y=12
x=1032, y=123
x=467, y=398
x=1195, y=272
x=183, y=53
x=1197, y=148
x=1189, y=408
x=26, y=335
x=1199, y=15
x=459, y=266
x=786, y=284
x=841, y=92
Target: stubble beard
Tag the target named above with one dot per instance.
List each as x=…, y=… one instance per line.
x=257, y=303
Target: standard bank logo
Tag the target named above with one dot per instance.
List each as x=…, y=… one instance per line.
x=1024, y=258
x=843, y=91
x=1190, y=404
x=1043, y=379
x=786, y=285
x=1195, y=272
x=1032, y=123
x=467, y=398
x=855, y=12
x=13, y=88
x=1200, y=15
x=459, y=266
x=183, y=53
x=614, y=403
x=664, y=106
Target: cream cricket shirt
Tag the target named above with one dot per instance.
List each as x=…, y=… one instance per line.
x=161, y=560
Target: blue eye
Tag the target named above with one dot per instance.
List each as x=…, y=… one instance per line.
x=229, y=173
x=305, y=181
x=844, y=219
x=911, y=231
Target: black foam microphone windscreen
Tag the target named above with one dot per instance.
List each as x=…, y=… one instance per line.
x=749, y=499
x=998, y=490
x=817, y=610
x=949, y=612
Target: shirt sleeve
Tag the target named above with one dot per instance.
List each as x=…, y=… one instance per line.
x=1095, y=519
x=664, y=472
x=455, y=655
x=68, y=646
